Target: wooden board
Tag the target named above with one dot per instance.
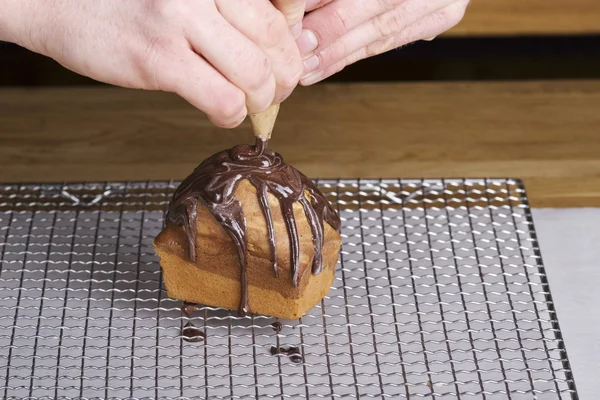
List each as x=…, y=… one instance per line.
x=547, y=133
x=529, y=17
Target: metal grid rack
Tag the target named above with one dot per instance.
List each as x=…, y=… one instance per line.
x=440, y=293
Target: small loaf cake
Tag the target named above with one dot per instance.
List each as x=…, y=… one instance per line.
x=247, y=231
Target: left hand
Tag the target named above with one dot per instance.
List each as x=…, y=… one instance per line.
x=340, y=32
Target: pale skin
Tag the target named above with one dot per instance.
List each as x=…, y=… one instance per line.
x=340, y=32
x=227, y=58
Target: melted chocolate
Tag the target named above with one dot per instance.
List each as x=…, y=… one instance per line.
x=292, y=352
x=214, y=182
x=188, y=308
x=277, y=326
x=192, y=334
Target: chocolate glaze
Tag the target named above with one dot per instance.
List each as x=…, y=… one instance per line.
x=292, y=352
x=192, y=334
x=214, y=182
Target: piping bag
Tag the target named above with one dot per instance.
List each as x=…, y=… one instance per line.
x=263, y=122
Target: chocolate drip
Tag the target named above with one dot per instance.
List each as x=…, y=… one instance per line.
x=214, y=182
x=292, y=352
x=261, y=189
x=290, y=224
x=188, y=308
x=192, y=334
x=317, y=234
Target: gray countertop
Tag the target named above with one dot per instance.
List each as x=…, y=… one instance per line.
x=570, y=245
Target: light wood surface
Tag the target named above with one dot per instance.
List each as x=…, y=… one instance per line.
x=529, y=17
x=545, y=133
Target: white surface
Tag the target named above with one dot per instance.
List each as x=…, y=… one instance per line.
x=570, y=243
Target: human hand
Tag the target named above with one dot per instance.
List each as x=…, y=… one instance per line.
x=340, y=32
x=293, y=10
x=226, y=58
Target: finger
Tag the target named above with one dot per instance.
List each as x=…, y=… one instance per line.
x=379, y=27
x=260, y=22
x=431, y=25
x=236, y=57
x=191, y=77
x=330, y=22
x=293, y=11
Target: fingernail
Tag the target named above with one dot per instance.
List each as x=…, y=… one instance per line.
x=311, y=64
x=296, y=30
x=310, y=79
x=307, y=42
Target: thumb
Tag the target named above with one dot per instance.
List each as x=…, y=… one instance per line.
x=293, y=10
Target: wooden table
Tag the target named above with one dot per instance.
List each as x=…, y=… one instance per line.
x=529, y=17
x=547, y=133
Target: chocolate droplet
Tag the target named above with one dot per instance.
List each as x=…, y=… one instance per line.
x=277, y=326
x=192, y=334
x=292, y=352
x=188, y=308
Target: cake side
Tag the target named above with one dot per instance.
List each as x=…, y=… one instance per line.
x=214, y=278
x=185, y=281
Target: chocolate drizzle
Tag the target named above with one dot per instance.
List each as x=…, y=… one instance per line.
x=214, y=182
x=292, y=352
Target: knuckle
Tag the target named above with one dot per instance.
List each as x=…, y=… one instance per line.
x=389, y=23
x=171, y=10
x=151, y=62
x=389, y=4
x=443, y=17
x=289, y=82
x=337, y=68
x=340, y=20
x=276, y=28
x=380, y=46
x=333, y=53
x=165, y=8
x=259, y=73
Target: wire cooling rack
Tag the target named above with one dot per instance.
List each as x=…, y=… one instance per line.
x=440, y=293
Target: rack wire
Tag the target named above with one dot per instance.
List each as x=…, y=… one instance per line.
x=440, y=293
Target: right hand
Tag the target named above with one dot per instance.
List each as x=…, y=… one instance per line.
x=293, y=10
x=227, y=58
